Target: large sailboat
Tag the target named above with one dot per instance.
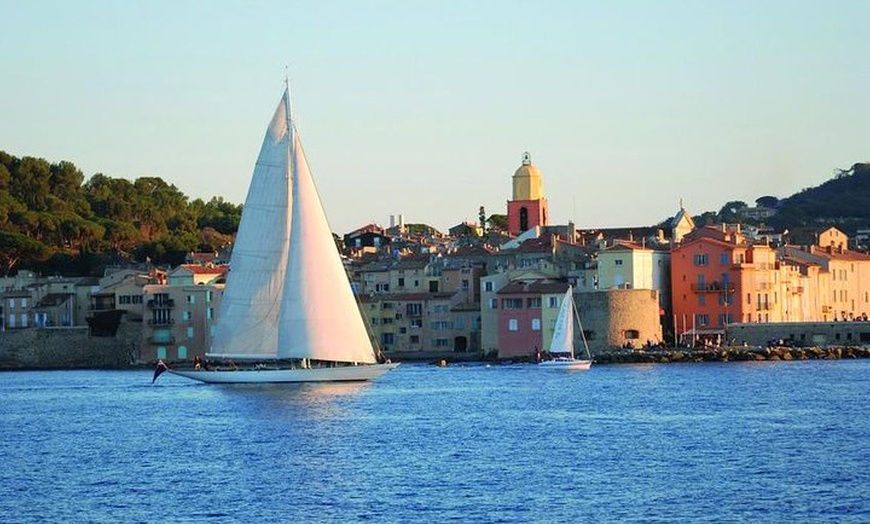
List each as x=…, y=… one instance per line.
x=562, y=343
x=288, y=312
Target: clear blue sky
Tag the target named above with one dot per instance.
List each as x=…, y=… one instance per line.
x=425, y=108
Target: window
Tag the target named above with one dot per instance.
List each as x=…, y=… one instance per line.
x=414, y=310
x=512, y=303
x=493, y=303
x=442, y=325
x=465, y=285
x=387, y=320
x=403, y=330
x=701, y=259
x=533, y=303
x=513, y=325
x=161, y=352
x=460, y=323
x=442, y=342
x=487, y=286
x=702, y=299
x=388, y=339
x=182, y=353
x=209, y=313
x=185, y=315
x=416, y=322
x=190, y=332
x=553, y=302
x=191, y=299
x=617, y=262
x=208, y=296
x=401, y=281
x=536, y=324
x=415, y=339
x=387, y=305
x=632, y=334
x=702, y=320
x=724, y=259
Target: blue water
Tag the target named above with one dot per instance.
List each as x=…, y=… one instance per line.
x=734, y=442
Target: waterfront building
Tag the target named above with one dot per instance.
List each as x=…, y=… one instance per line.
x=834, y=280
x=626, y=265
x=423, y=303
x=718, y=278
x=17, y=309
x=528, y=207
x=179, y=320
x=522, y=317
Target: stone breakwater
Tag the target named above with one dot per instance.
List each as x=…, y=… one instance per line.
x=731, y=354
x=68, y=348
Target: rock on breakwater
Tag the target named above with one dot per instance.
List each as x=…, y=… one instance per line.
x=731, y=354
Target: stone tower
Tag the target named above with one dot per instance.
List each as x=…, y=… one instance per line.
x=528, y=207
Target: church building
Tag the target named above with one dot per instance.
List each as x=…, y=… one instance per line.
x=528, y=207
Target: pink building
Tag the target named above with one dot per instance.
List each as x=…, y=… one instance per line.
x=521, y=316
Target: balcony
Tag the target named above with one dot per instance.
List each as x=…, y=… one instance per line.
x=161, y=321
x=713, y=287
x=161, y=304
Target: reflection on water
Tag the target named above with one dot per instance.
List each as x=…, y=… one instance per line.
x=326, y=400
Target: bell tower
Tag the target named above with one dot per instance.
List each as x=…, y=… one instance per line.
x=528, y=207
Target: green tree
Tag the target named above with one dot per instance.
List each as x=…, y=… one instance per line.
x=15, y=247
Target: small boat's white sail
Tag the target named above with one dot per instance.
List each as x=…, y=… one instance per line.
x=320, y=318
x=247, y=322
x=563, y=333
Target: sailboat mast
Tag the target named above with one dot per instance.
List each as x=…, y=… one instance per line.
x=579, y=324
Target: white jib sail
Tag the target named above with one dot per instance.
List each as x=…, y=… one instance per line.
x=563, y=332
x=247, y=321
x=320, y=318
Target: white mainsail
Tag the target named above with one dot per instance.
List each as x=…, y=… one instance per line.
x=287, y=294
x=563, y=332
x=320, y=318
x=247, y=322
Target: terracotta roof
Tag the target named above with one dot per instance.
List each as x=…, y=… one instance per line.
x=205, y=270
x=536, y=287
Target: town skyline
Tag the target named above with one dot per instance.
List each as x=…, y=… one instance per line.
x=626, y=109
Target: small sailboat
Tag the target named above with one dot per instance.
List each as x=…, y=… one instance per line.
x=562, y=344
x=288, y=312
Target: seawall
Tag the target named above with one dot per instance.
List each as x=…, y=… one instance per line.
x=68, y=348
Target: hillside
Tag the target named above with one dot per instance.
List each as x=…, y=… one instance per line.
x=843, y=201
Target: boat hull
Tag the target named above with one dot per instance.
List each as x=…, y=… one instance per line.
x=274, y=376
x=568, y=364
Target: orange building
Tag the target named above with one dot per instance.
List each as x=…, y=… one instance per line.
x=717, y=278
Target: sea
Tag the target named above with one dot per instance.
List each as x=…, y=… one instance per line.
x=703, y=442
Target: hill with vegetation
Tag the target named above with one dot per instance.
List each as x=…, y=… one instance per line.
x=843, y=201
x=55, y=222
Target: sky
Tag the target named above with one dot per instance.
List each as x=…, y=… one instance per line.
x=424, y=109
